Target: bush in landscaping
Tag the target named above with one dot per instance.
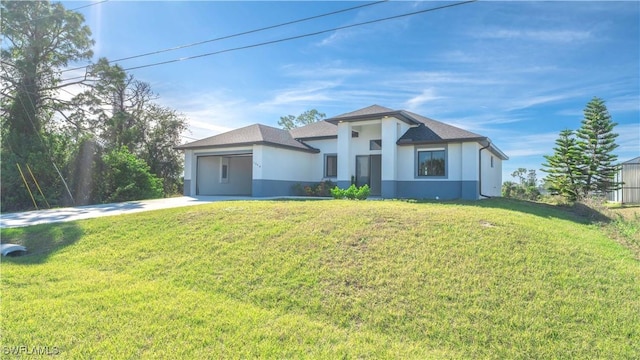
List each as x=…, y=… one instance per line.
x=352, y=192
x=320, y=189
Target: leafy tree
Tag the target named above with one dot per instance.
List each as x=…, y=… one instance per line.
x=41, y=130
x=596, y=142
x=509, y=189
x=40, y=39
x=121, y=111
x=162, y=135
x=526, y=188
x=128, y=178
x=565, y=176
x=308, y=117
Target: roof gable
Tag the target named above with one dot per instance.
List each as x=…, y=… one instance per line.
x=317, y=130
x=249, y=135
x=371, y=113
x=368, y=111
x=431, y=130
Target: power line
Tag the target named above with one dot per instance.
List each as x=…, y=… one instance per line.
x=239, y=34
x=299, y=36
x=74, y=9
x=85, y=6
x=291, y=37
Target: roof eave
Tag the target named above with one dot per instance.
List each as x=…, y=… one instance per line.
x=218, y=146
x=439, y=141
x=311, y=138
x=198, y=147
x=397, y=114
x=307, y=148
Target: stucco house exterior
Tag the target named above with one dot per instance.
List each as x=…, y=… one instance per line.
x=399, y=154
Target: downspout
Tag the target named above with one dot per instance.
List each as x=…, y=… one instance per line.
x=480, y=170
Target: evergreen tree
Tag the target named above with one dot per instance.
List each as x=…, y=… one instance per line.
x=596, y=142
x=565, y=176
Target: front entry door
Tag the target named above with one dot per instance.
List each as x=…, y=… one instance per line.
x=369, y=172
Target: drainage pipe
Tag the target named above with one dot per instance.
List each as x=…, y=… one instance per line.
x=480, y=169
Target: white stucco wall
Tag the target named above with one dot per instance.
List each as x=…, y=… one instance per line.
x=491, y=176
x=461, y=162
x=188, y=167
x=272, y=163
x=344, y=152
x=326, y=146
x=366, y=133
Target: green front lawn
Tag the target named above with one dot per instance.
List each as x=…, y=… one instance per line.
x=324, y=279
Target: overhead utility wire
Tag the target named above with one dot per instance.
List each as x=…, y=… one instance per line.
x=92, y=4
x=290, y=38
x=74, y=9
x=299, y=36
x=238, y=34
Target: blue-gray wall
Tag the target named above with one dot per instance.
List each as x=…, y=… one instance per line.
x=187, y=187
x=443, y=190
x=268, y=188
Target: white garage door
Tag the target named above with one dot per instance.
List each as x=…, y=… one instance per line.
x=224, y=175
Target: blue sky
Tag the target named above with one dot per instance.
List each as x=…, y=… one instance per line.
x=517, y=72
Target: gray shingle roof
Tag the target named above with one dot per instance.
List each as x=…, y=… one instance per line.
x=373, y=112
x=317, y=130
x=431, y=130
x=369, y=110
x=249, y=135
x=427, y=131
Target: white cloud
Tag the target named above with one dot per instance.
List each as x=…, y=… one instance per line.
x=555, y=36
x=531, y=146
x=211, y=113
x=307, y=93
x=627, y=103
x=482, y=122
x=330, y=69
x=628, y=141
x=427, y=95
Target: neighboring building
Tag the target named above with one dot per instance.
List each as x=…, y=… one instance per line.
x=399, y=154
x=629, y=177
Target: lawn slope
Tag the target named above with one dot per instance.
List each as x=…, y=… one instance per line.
x=325, y=279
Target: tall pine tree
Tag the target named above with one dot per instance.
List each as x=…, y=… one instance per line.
x=39, y=39
x=565, y=176
x=596, y=142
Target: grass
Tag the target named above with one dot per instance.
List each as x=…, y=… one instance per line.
x=325, y=279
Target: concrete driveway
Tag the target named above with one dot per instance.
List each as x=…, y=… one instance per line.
x=8, y=220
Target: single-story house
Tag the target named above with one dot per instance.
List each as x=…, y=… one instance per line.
x=629, y=177
x=399, y=154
